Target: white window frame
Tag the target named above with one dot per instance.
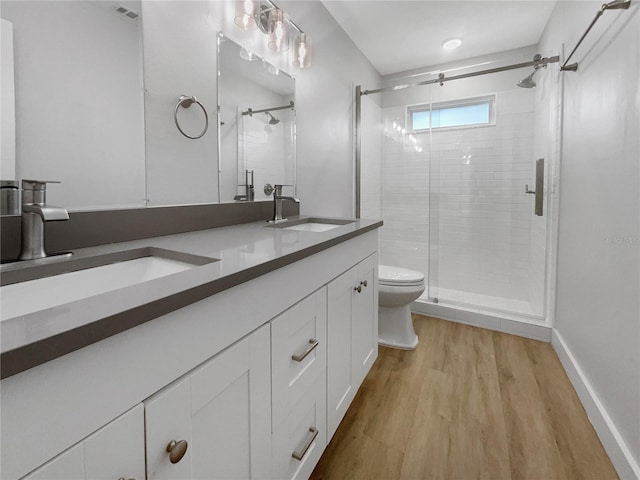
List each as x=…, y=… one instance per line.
x=464, y=102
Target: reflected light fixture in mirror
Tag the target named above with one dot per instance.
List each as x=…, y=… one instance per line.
x=302, y=51
x=279, y=36
x=248, y=55
x=246, y=14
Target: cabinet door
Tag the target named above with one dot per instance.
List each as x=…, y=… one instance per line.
x=299, y=387
x=364, y=320
x=352, y=336
x=117, y=450
x=341, y=387
x=114, y=451
x=69, y=465
x=222, y=411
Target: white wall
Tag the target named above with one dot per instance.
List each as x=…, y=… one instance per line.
x=180, y=45
x=598, y=287
x=324, y=112
x=7, y=103
x=371, y=158
x=79, y=104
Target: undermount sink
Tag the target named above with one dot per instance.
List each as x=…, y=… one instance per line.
x=34, y=288
x=312, y=224
x=313, y=227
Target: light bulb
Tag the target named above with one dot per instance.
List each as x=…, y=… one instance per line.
x=302, y=51
x=245, y=14
x=279, y=38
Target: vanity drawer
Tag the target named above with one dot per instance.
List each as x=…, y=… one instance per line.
x=298, y=442
x=299, y=379
x=299, y=332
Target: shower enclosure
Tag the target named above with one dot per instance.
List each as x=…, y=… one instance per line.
x=450, y=166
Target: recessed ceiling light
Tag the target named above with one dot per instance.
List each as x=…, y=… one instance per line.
x=452, y=43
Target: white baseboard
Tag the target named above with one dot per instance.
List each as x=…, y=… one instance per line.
x=536, y=330
x=613, y=443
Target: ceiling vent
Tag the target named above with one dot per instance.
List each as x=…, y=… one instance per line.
x=127, y=12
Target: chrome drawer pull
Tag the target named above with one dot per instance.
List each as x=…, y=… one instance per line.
x=300, y=455
x=299, y=358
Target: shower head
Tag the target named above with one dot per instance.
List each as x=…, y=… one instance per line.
x=528, y=82
x=273, y=120
x=616, y=5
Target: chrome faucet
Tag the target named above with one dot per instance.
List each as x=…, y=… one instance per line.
x=277, y=203
x=35, y=212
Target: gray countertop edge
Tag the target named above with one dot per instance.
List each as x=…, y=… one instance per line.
x=31, y=355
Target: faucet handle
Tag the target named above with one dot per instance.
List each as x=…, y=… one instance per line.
x=36, y=184
x=35, y=191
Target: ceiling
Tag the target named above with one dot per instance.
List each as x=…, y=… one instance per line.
x=399, y=35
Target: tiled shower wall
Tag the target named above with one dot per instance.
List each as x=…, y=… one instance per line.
x=480, y=239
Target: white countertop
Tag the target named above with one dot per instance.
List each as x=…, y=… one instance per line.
x=245, y=251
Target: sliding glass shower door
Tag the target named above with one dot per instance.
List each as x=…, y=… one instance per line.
x=487, y=247
x=457, y=187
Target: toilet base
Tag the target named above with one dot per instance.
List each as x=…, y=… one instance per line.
x=395, y=328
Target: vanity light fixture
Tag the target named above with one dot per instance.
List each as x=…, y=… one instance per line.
x=274, y=22
x=452, y=43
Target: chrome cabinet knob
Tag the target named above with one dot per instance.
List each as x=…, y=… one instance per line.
x=177, y=450
x=363, y=283
x=358, y=288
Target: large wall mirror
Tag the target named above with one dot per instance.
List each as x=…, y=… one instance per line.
x=79, y=100
x=94, y=111
x=256, y=114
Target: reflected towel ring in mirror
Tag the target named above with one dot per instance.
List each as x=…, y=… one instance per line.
x=186, y=101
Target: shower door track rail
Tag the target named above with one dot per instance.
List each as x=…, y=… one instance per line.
x=442, y=78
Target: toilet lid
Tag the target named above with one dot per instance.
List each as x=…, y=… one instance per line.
x=395, y=275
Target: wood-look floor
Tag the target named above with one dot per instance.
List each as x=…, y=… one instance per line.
x=468, y=403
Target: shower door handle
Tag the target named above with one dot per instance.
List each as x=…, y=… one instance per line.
x=539, y=191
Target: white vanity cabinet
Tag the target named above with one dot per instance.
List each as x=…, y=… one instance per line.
x=216, y=422
x=115, y=451
x=352, y=325
x=218, y=374
x=298, y=379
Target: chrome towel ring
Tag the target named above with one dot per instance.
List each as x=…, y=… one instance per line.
x=186, y=101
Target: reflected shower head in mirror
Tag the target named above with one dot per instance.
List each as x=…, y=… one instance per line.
x=273, y=120
x=528, y=82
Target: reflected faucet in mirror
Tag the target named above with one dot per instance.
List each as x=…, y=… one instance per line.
x=249, y=191
x=35, y=212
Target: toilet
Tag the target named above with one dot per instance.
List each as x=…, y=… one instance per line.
x=397, y=288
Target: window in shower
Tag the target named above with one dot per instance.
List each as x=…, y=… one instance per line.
x=470, y=112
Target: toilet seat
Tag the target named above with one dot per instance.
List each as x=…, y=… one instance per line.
x=396, y=276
